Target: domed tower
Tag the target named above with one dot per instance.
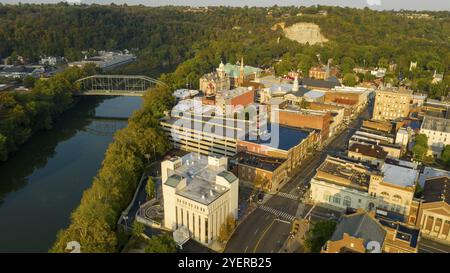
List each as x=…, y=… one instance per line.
x=221, y=70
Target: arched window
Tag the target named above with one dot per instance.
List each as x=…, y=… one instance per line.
x=385, y=195
x=337, y=198
x=397, y=198
x=347, y=201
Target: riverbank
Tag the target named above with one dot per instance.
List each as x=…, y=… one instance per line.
x=43, y=182
x=24, y=114
x=94, y=221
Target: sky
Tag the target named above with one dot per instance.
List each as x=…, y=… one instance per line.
x=375, y=4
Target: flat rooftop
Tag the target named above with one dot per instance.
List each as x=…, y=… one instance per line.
x=201, y=179
x=343, y=172
x=437, y=189
x=278, y=136
x=259, y=161
x=429, y=172
x=399, y=175
x=405, y=233
x=436, y=124
x=229, y=94
x=395, y=90
x=374, y=151
x=217, y=125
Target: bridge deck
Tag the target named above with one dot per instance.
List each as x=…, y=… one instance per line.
x=116, y=85
x=111, y=93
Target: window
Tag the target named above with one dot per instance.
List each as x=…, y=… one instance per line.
x=397, y=198
x=206, y=230
x=176, y=216
x=187, y=219
x=347, y=201
x=337, y=198
x=193, y=224
x=385, y=195
x=182, y=218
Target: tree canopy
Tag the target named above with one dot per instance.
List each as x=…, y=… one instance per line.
x=22, y=114
x=117, y=180
x=420, y=147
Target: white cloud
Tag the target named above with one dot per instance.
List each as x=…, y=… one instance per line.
x=374, y=2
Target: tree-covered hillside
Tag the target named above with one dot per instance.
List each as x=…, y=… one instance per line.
x=169, y=35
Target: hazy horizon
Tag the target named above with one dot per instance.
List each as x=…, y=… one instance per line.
x=430, y=5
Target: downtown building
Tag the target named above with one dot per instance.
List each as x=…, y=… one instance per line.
x=373, y=232
x=199, y=194
x=392, y=104
x=379, y=134
x=205, y=129
x=349, y=184
x=437, y=131
x=434, y=211
x=199, y=129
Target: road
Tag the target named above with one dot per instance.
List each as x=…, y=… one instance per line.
x=430, y=246
x=267, y=228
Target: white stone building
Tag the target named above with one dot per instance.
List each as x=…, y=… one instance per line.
x=199, y=194
x=437, y=131
x=344, y=184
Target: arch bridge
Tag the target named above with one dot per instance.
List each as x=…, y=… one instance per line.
x=116, y=85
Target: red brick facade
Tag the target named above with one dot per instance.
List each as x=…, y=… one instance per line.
x=305, y=120
x=244, y=99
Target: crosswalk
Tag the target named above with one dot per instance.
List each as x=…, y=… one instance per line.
x=278, y=213
x=288, y=195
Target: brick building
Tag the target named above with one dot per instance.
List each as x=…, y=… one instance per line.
x=400, y=237
x=434, y=212
x=356, y=233
x=303, y=118
x=383, y=126
x=267, y=173
x=289, y=143
x=372, y=154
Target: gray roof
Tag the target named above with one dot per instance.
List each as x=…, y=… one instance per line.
x=230, y=177
x=436, y=124
x=173, y=180
x=360, y=225
x=320, y=83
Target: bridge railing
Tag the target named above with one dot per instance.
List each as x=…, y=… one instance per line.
x=117, y=84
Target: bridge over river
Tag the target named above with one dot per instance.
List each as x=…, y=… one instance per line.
x=116, y=85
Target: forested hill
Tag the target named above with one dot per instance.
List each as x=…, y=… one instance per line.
x=168, y=36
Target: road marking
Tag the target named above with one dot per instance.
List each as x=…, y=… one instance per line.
x=277, y=212
x=245, y=251
x=264, y=233
x=283, y=221
x=288, y=195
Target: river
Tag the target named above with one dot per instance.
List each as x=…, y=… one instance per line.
x=42, y=184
